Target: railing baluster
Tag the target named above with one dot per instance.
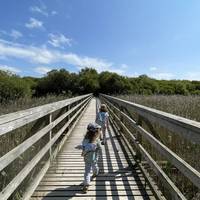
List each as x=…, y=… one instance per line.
x=50, y=136
x=184, y=127
x=22, y=118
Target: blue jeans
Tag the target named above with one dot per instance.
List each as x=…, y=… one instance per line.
x=88, y=167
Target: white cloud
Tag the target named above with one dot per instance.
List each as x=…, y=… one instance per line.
x=153, y=68
x=80, y=61
x=135, y=74
x=3, y=57
x=41, y=10
x=162, y=76
x=54, y=12
x=59, y=40
x=42, y=70
x=42, y=55
x=191, y=76
x=8, y=68
x=34, y=23
x=15, y=34
x=2, y=32
x=118, y=71
x=124, y=66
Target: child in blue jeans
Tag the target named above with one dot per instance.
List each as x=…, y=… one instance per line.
x=91, y=147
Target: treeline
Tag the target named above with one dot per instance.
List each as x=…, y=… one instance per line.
x=88, y=80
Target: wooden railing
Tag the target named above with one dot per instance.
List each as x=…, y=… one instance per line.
x=136, y=123
x=59, y=119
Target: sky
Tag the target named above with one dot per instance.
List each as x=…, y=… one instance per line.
x=159, y=38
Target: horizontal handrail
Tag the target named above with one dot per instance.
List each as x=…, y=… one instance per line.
x=17, y=151
x=12, y=121
x=190, y=129
x=183, y=166
x=38, y=178
x=116, y=106
x=22, y=113
x=156, y=168
x=5, y=160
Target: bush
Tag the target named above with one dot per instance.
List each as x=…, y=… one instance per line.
x=13, y=87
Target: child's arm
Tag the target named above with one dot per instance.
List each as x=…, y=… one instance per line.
x=98, y=145
x=83, y=153
x=96, y=117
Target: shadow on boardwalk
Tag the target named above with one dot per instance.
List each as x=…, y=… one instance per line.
x=106, y=180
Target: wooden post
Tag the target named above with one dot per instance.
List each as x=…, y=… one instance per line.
x=68, y=117
x=50, y=136
x=139, y=141
x=121, y=118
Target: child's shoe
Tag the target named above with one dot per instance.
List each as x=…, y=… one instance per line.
x=103, y=141
x=94, y=175
x=85, y=188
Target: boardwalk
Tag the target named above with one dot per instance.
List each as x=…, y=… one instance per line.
x=118, y=178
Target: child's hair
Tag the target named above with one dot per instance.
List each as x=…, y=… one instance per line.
x=103, y=108
x=92, y=136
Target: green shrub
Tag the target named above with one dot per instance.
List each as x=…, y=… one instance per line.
x=13, y=87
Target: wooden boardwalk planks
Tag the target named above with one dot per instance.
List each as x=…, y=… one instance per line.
x=118, y=178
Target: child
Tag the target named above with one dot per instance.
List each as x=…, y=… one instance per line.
x=91, y=147
x=102, y=120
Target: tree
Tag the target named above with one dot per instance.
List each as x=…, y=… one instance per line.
x=13, y=87
x=56, y=82
x=147, y=85
x=89, y=82
x=180, y=88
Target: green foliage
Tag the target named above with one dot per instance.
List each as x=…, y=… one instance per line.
x=56, y=82
x=13, y=87
x=88, y=80
x=147, y=85
x=112, y=83
x=89, y=83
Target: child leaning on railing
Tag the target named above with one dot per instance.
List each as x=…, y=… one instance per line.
x=91, y=147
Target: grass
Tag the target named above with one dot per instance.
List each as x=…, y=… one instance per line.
x=185, y=106
x=25, y=103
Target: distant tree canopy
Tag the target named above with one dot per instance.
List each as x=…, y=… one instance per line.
x=88, y=80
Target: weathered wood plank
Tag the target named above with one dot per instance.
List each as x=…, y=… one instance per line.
x=188, y=128
x=9, y=189
x=125, y=197
x=17, y=151
x=119, y=179
x=18, y=122
x=92, y=187
x=165, y=179
x=93, y=193
x=182, y=165
x=81, y=171
x=97, y=183
x=75, y=175
x=51, y=107
x=29, y=191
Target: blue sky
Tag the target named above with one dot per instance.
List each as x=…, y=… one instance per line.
x=160, y=38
